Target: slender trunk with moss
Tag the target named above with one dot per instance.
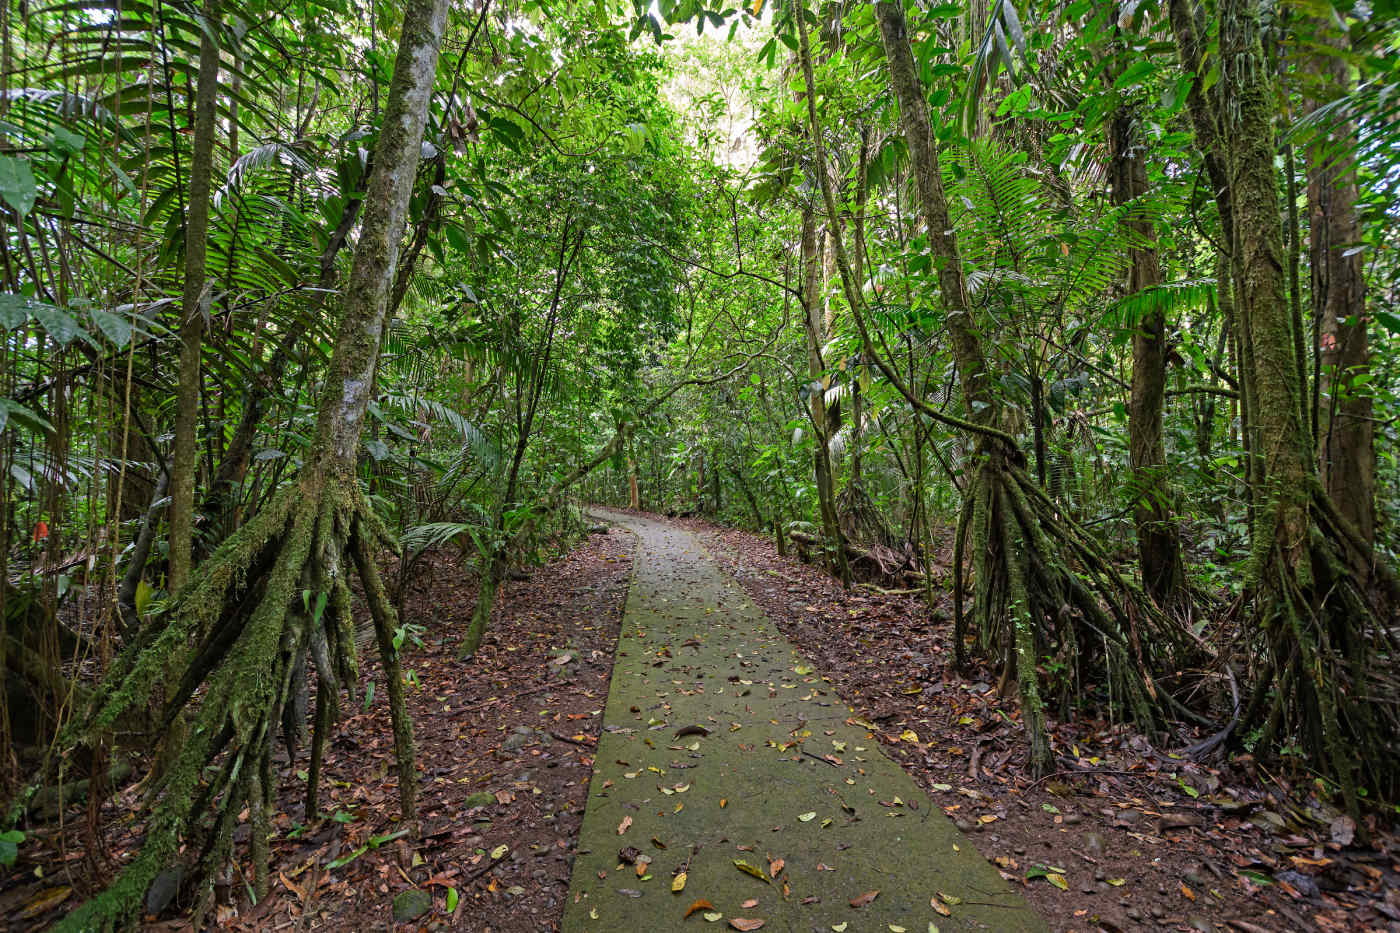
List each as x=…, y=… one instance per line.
x=277, y=590
x=1159, y=543
x=813, y=325
x=193, y=308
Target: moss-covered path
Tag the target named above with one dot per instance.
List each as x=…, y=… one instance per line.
x=725, y=757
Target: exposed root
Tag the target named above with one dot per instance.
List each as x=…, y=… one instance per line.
x=1046, y=596
x=1333, y=651
x=272, y=595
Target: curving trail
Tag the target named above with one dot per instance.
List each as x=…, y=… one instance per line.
x=781, y=775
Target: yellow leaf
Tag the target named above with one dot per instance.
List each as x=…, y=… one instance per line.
x=808, y=817
x=1058, y=881
x=909, y=735
x=678, y=883
x=622, y=827
x=499, y=851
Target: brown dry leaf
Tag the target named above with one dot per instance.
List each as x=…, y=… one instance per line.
x=939, y=907
x=751, y=902
x=1187, y=892
x=745, y=923
x=701, y=904
x=775, y=866
x=863, y=899
x=622, y=827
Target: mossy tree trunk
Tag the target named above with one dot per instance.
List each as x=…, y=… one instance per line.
x=277, y=590
x=193, y=307
x=1316, y=629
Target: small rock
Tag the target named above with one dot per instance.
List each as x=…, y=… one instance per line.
x=1303, y=884
x=1073, y=819
x=411, y=904
x=1094, y=845
x=518, y=740
x=1158, y=912
x=164, y=889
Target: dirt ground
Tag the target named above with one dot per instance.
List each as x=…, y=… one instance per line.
x=504, y=753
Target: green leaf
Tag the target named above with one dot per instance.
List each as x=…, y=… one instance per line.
x=17, y=186
x=59, y=324
x=451, y=900
x=9, y=846
x=114, y=327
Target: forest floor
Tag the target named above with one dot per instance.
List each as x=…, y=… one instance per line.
x=1146, y=841
x=1141, y=841
x=505, y=751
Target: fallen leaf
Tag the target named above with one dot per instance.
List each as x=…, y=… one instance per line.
x=939, y=908
x=622, y=827
x=750, y=903
x=808, y=817
x=748, y=869
x=896, y=928
x=839, y=927
x=745, y=923
x=499, y=852
x=678, y=883
x=44, y=901
x=775, y=866
x=1057, y=880
x=1187, y=892
x=714, y=915
x=701, y=904
x=862, y=899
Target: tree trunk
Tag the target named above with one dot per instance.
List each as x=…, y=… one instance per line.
x=1345, y=450
x=1312, y=608
x=277, y=590
x=193, y=308
x=1159, y=544
x=821, y=456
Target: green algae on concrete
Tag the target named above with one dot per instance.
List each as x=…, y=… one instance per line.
x=720, y=744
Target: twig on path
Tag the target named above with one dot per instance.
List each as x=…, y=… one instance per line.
x=815, y=757
x=1152, y=775
x=572, y=741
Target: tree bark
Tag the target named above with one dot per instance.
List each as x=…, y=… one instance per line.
x=185, y=456
x=1159, y=544
x=1345, y=445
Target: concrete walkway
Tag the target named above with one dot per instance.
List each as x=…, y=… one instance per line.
x=721, y=746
